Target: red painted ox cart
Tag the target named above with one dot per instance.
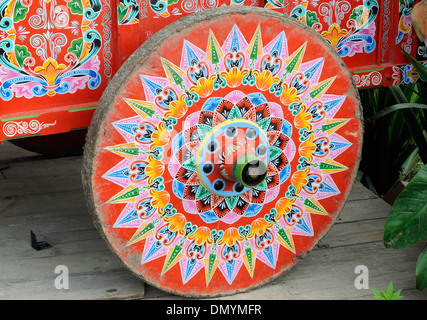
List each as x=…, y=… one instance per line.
x=225, y=142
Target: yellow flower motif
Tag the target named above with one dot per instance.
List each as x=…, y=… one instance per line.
x=334, y=34
x=307, y=148
x=159, y=199
x=258, y=227
x=154, y=169
x=204, y=86
x=177, y=108
x=265, y=79
x=231, y=235
x=201, y=236
x=160, y=137
x=176, y=223
x=283, y=206
x=49, y=71
x=289, y=95
x=234, y=77
x=300, y=179
x=303, y=119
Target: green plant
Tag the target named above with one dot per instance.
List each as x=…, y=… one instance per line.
x=395, y=129
x=387, y=294
x=407, y=222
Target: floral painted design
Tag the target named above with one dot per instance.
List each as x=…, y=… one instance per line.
x=54, y=52
x=348, y=27
x=169, y=215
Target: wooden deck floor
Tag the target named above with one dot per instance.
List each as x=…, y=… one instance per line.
x=45, y=195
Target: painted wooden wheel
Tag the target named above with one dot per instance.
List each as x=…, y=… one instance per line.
x=222, y=151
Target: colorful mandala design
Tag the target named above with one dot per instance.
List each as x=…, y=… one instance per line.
x=180, y=217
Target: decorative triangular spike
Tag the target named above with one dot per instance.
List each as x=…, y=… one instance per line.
x=213, y=52
x=249, y=259
x=229, y=269
x=319, y=89
x=313, y=206
x=144, y=231
x=269, y=255
x=332, y=125
x=234, y=113
x=278, y=46
x=313, y=69
x=231, y=201
x=190, y=55
x=128, y=218
x=285, y=239
x=255, y=46
x=203, y=130
x=235, y=44
x=189, y=268
x=153, y=249
x=293, y=62
x=126, y=195
x=142, y=108
x=211, y=265
x=173, y=72
x=173, y=256
x=202, y=193
x=303, y=227
x=330, y=166
x=151, y=87
x=126, y=150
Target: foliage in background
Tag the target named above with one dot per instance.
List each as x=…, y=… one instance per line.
x=394, y=139
x=407, y=222
x=395, y=132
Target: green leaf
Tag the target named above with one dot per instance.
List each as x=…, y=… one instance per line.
x=396, y=107
x=76, y=47
x=377, y=294
x=407, y=221
x=387, y=294
x=19, y=12
x=389, y=291
x=421, y=270
x=76, y=6
x=121, y=11
x=21, y=53
x=311, y=18
x=396, y=295
x=412, y=123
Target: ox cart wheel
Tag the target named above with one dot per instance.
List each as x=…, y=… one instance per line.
x=222, y=151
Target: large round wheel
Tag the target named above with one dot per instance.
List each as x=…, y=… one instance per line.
x=222, y=151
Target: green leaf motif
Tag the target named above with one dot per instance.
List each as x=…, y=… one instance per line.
x=76, y=47
x=21, y=53
x=121, y=11
x=311, y=18
x=407, y=221
x=357, y=14
x=75, y=6
x=19, y=12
